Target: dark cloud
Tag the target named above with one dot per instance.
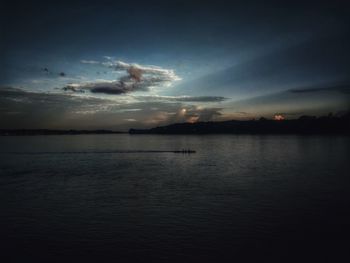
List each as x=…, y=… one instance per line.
x=108, y=90
x=107, y=87
x=289, y=113
x=343, y=88
x=182, y=98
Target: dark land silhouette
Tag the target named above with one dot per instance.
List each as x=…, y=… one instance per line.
x=303, y=125
x=19, y=132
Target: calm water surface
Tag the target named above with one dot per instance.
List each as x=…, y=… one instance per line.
x=243, y=198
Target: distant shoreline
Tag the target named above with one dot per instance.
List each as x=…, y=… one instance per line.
x=305, y=125
x=33, y=132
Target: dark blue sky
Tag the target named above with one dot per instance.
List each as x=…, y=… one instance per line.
x=214, y=61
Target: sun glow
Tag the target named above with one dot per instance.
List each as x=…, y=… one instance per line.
x=278, y=117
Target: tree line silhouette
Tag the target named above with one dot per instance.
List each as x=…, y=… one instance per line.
x=303, y=125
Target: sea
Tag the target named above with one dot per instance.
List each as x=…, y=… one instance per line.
x=131, y=198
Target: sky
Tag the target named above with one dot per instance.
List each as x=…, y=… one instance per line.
x=140, y=64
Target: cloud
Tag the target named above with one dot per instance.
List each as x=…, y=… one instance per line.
x=106, y=87
x=90, y=62
x=23, y=109
x=342, y=88
x=196, y=114
x=182, y=98
x=193, y=114
x=137, y=78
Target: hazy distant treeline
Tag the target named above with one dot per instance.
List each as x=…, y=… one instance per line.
x=304, y=125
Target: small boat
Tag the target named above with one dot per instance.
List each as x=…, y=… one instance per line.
x=185, y=151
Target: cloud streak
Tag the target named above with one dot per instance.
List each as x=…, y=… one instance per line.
x=182, y=98
x=136, y=78
x=342, y=88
